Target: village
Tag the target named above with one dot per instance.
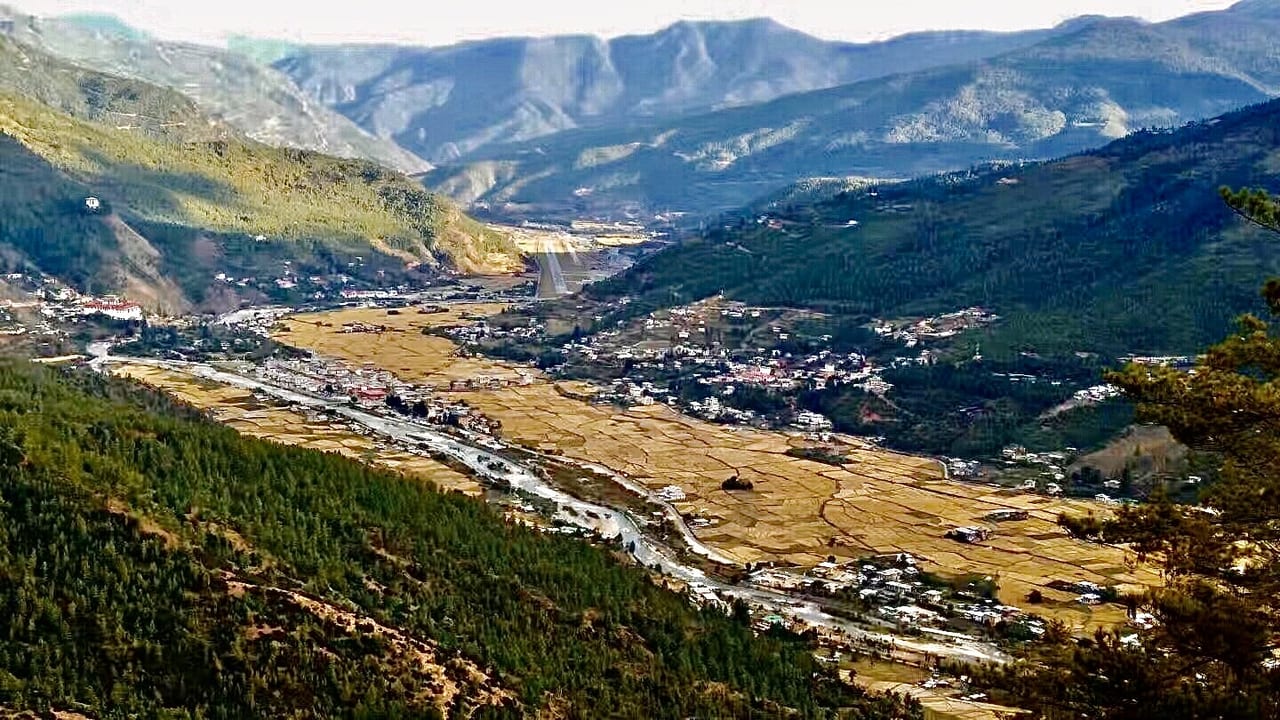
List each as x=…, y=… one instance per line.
x=704, y=358
x=373, y=388
x=708, y=360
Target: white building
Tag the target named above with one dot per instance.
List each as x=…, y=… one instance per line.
x=812, y=420
x=672, y=493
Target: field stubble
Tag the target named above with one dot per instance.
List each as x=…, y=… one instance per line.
x=799, y=511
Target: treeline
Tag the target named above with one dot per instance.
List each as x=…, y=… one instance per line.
x=125, y=518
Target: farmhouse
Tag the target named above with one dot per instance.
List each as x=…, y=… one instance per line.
x=672, y=493
x=369, y=395
x=1008, y=515
x=969, y=534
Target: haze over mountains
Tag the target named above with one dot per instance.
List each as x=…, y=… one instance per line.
x=447, y=103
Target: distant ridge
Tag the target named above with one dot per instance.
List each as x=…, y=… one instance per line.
x=450, y=102
x=250, y=96
x=1087, y=82
x=1124, y=249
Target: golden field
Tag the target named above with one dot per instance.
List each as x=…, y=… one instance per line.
x=799, y=512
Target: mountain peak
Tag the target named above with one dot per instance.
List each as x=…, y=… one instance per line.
x=760, y=25
x=1256, y=8
x=1079, y=22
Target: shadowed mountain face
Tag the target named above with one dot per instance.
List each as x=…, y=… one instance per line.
x=257, y=100
x=447, y=103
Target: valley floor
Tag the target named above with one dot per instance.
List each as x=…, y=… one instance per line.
x=799, y=513
x=604, y=468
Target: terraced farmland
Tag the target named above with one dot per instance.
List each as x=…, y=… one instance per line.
x=798, y=512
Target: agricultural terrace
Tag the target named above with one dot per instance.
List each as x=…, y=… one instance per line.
x=800, y=511
x=239, y=409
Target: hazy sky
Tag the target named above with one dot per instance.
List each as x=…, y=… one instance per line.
x=436, y=22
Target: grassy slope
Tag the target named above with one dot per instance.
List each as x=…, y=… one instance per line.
x=258, y=100
x=224, y=186
x=108, y=99
x=1126, y=249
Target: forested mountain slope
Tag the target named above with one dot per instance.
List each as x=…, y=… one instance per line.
x=1123, y=249
x=157, y=564
x=1082, y=86
x=259, y=101
x=185, y=200
x=107, y=99
x=446, y=103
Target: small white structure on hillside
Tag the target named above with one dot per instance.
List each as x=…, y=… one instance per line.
x=92, y=204
x=812, y=420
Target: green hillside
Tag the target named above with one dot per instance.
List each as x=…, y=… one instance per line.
x=1125, y=249
x=110, y=100
x=156, y=564
x=222, y=191
x=259, y=101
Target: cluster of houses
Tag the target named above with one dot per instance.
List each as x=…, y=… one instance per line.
x=1052, y=464
x=962, y=469
x=690, y=342
x=480, y=330
x=371, y=387
x=939, y=327
x=893, y=586
x=1176, y=361
x=366, y=385
x=712, y=409
x=784, y=372
x=1096, y=394
x=61, y=303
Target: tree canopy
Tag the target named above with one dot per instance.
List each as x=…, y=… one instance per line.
x=1214, y=648
x=154, y=563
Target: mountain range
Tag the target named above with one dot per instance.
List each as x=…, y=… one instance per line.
x=1084, y=84
x=701, y=117
x=448, y=103
x=259, y=101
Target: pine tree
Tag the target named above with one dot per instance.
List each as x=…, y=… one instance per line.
x=1215, y=649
